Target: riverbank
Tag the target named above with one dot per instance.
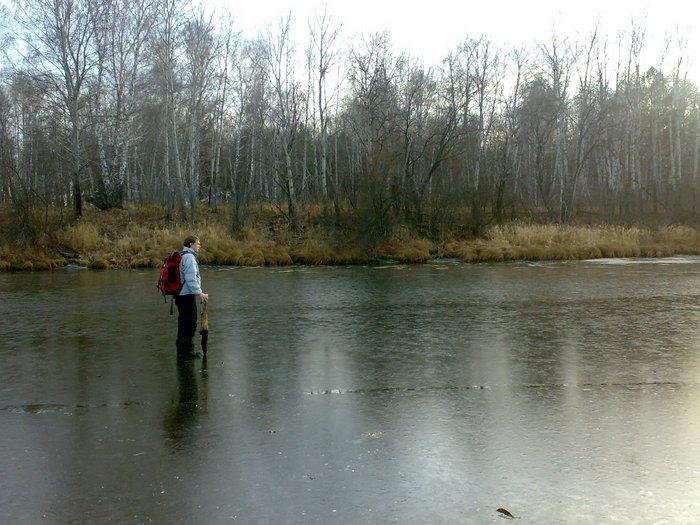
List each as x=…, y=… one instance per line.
x=141, y=238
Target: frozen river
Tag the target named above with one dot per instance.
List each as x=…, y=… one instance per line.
x=564, y=392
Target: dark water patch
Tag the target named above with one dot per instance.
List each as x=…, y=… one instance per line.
x=44, y=408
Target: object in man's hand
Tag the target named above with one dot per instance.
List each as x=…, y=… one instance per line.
x=205, y=327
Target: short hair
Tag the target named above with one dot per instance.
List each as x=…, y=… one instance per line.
x=190, y=239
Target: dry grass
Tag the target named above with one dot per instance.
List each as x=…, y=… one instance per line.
x=319, y=251
x=404, y=247
x=28, y=259
x=141, y=237
x=557, y=242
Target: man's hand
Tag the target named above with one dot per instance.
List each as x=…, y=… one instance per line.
x=204, y=297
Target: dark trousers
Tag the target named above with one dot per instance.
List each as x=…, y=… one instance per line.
x=186, y=322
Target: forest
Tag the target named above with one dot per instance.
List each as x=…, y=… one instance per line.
x=120, y=104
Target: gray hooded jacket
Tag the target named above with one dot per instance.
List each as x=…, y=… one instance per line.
x=189, y=273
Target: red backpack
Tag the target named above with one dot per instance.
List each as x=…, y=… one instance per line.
x=169, y=282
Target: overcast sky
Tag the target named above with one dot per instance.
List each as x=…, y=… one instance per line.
x=431, y=29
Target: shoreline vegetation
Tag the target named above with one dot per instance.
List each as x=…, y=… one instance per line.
x=362, y=155
x=141, y=237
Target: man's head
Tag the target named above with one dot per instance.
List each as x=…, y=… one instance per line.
x=192, y=241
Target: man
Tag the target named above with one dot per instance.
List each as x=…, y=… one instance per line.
x=187, y=300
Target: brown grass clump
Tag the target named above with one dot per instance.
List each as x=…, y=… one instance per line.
x=43, y=264
x=27, y=259
x=405, y=247
x=320, y=252
x=560, y=242
x=490, y=252
x=145, y=262
x=563, y=242
x=99, y=264
x=554, y=242
x=277, y=255
x=219, y=247
x=83, y=238
x=676, y=239
x=458, y=250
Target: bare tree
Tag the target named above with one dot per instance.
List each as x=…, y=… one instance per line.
x=166, y=50
x=584, y=119
x=680, y=175
x=558, y=59
x=250, y=91
x=199, y=52
x=475, y=79
x=323, y=56
x=287, y=110
x=227, y=63
x=510, y=159
x=59, y=36
x=429, y=132
x=630, y=78
x=120, y=37
x=372, y=119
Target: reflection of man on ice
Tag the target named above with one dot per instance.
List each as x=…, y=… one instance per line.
x=187, y=300
x=180, y=421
